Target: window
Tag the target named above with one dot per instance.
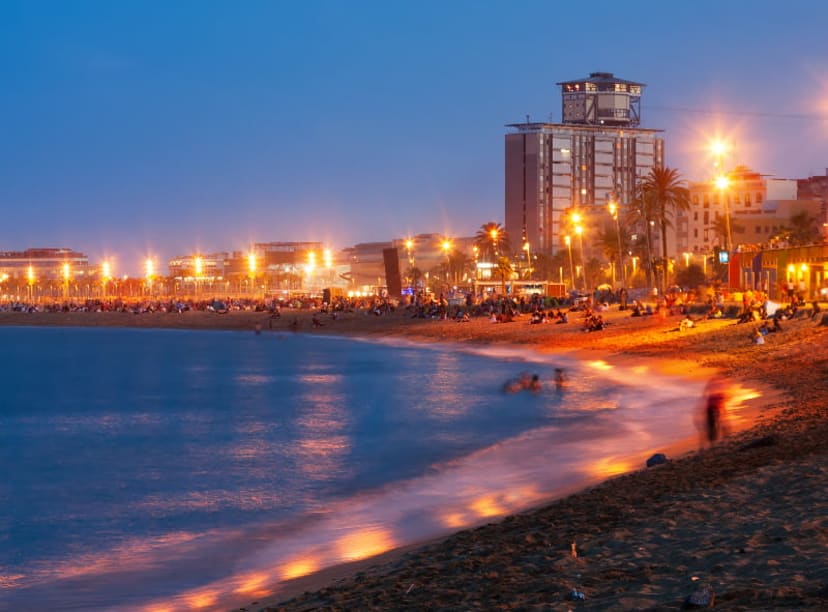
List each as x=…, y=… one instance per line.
x=695, y=199
x=736, y=198
x=758, y=198
x=696, y=216
x=695, y=232
x=706, y=217
x=758, y=229
x=707, y=200
x=716, y=199
x=747, y=200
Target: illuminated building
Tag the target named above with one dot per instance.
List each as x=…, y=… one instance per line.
x=596, y=154
x=45, y=264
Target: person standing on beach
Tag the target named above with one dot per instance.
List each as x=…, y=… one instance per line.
x=713, y=417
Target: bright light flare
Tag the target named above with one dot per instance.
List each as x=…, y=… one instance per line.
x=66, y=271
x=106, y=270
x=446, y=246
x=149, y=267
x=722, y=182
x=327, y=258
x=576, y=217
x=199, y=265
x=251, y=263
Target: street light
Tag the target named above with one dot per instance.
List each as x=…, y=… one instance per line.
x=30, y=276
x=409, y=247
x=251, y=266
x=149, y=270
x=106, y=275
x=580, y=231
x=613, y=208
x=568, y=241
x=445, y=245
x=528, y=260
x=722, y=183
x=66, y=273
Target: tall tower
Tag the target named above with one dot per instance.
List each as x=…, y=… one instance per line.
x=596, y=154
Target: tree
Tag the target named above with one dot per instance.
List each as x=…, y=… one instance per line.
x=691, y=277
x=801, y=229
x=504, y=266
x=665, y=193
x=608, y=241
x=719, y=227
x=491, y=241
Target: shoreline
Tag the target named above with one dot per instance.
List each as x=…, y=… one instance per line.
x=614, y=521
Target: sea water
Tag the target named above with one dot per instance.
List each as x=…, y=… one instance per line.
x=150, y=469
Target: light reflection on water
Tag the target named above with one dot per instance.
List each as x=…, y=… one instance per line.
x=215, y=464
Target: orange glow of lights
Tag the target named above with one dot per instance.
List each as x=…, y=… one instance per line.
x=722, y=182
x=199, y=265
x=455, y=520
x=609, y=467
x=409, y=244
x=327, y=258
x=106, y=269
x=579, y=230
x=487, y=506
x=567, y=240
x=299, y=568
x=718, y=147
x=365, y=543
x=30, y=274
x=251, y=262
x=149, y=268
x=66, y=271
x=576, y=217
x=253, y=584
x=446, y=245
x=199, y=601
x=158, y=608
x=600, y=365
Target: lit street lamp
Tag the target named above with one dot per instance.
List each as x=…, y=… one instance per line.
x=568, y=241
x=722, y=183
x=613, y=208
x=66, y=274
x=580, y=231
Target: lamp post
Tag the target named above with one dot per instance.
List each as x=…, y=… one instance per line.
x=251, y=267
x=66, y=273
x=446, y=246
x=722, y=183
x=580, y=231
x=613, y=208
x=106, y=274
x=149, y=270
x=528, y=260
x=568, y=241
x=30, y=277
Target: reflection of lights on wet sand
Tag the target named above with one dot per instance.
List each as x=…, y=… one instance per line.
x=454, y=520
x=487, y=506
x=365, y=543
x=202, y=600
x=299, y=568
x=609, y=467
x=253, y=584
x=600, y=364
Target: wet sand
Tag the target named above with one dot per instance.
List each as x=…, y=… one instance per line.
x=746, y=520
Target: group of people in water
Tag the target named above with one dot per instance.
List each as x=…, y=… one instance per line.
x=532, y=382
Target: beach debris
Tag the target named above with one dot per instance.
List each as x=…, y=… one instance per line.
x=573, y=550
x=576, y=595
x=759, y=443
x=703, y=597
x=411, y=586
x=657, y=459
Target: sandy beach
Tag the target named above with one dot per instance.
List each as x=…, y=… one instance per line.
x=744, y=522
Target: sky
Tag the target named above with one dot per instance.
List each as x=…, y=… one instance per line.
x=143, y=127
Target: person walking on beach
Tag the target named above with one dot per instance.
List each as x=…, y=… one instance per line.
x=713, y=415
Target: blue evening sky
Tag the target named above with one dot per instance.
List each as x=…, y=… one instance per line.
x=166, y=127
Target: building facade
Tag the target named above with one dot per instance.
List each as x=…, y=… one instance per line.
x=597, y=154
x=758, y=205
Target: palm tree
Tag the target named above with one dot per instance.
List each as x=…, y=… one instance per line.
x=491, y=241
x=719, y=227
x=666, y=193
x=609, y=241
x=504, y=266
x=643, y=212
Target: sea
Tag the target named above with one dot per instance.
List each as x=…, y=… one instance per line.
x=157, y=470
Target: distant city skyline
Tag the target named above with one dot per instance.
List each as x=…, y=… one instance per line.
x=135, y=129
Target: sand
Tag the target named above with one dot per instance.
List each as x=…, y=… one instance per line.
x=745, y=521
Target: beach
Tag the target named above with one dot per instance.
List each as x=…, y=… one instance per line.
x=744, y=522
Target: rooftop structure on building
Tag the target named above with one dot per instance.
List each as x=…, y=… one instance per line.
x=601, y=99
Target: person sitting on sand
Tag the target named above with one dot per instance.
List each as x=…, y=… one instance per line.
x=686, y=323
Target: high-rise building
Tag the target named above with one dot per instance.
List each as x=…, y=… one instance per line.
x=594, y=156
